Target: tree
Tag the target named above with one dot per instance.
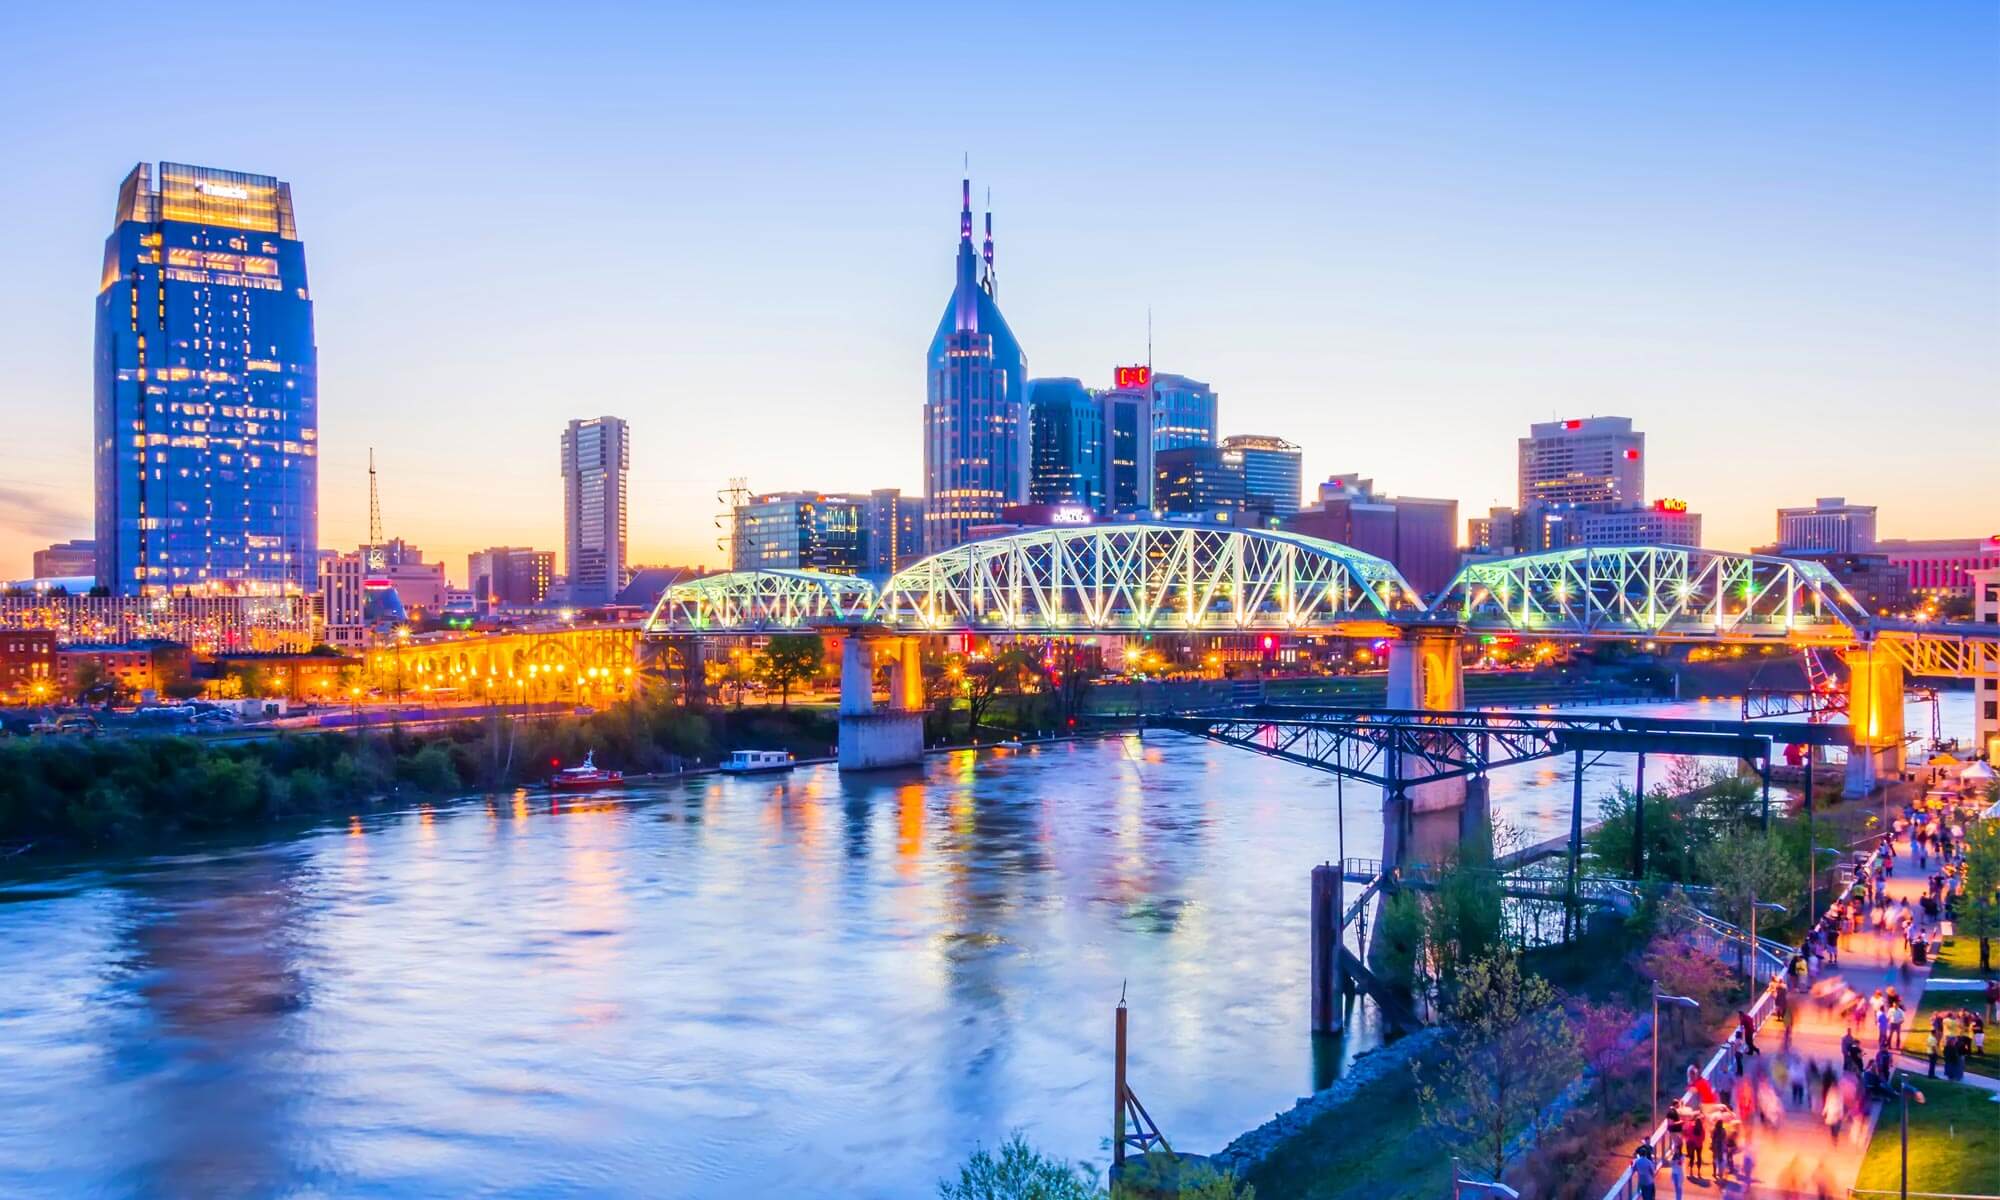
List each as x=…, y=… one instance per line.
x=1979, y=909
x=1748, y=866
x=1603, y=1039
x=93, y=684
x=1510, y=1051
x=1019, y=1172
x=791, y=658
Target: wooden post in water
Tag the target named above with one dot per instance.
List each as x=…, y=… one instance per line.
x=1326, y=915
x=1118, y=1091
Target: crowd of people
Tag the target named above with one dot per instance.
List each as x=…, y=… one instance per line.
x=1710, y=1135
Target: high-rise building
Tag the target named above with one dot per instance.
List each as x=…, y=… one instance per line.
x=811, y=531
x=976, y=454
x=1942, y=568
x=1831, y=524
x=1066, y=426
x=510, y=577
x=206, y=410
x=1271, y=476
x=595, y=456
x=1495, y=533
x=1198, y=481
x=1590, y=461
x=1127, y=415
x=67, y=560
x=1184, y=412
x=1661, y=523
x=865, y=533
x=1420, y=536
x=342, y=599
x=895, y=527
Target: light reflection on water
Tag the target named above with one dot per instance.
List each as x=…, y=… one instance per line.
x=770, y=986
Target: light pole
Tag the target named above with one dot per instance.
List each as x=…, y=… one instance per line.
x=1904, y=1091
x=1677, y=1002
x=1754, y=946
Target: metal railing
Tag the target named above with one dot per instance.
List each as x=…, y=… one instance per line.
x=1759, y=1012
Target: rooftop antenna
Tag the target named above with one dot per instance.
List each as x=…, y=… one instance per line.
x=377, y=558
x=992, y=282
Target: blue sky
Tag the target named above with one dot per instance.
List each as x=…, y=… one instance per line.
x=1395, y=234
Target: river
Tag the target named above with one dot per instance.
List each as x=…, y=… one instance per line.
x=775, y=986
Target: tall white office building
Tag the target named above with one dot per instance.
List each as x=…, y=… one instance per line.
x=596, y=454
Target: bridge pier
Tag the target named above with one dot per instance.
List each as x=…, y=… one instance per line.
x=873, y=739
x=1429, y=819
x=1875, y=711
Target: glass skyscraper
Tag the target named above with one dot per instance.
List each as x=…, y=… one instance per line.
x=595, y=457
x=1067, y=439
x=1184, y=412
x=206, y=408
x=1271, y=475
x=975, y=403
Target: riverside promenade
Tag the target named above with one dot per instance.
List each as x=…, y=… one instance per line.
x=1796, y=1155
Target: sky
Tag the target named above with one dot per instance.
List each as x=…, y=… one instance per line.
x=1394, y=234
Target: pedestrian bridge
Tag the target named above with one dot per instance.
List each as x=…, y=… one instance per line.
x=1100, y=579
x=1164, y=578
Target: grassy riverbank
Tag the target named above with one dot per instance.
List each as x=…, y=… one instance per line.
x=106, y=791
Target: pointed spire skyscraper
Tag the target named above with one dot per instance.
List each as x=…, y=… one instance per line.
x=975, y=406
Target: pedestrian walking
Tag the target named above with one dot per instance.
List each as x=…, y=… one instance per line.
x=1676, y=1172
x=1896, y=1024
x=1645, y=1171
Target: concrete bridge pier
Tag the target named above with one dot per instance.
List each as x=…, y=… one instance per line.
x=1425, y=822
x=1875, y=710
x=872, y=739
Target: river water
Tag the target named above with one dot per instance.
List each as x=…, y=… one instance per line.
x=777, y=986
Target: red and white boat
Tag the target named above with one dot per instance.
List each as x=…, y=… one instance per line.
x=586, y=777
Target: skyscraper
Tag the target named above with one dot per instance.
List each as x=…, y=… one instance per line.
x=1596, y=461
x=1128, y=446
x=1271, y=475
x=1184, y=412
x=206, y=408
x=595, y=456
x=975, y=406
x=1831, y=524
x=1067, y=438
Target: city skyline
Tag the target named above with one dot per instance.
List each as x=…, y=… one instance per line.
x=1822, y=271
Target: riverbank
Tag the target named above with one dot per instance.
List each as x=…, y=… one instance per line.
x=87, y=793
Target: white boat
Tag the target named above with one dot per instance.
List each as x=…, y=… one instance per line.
x=753, y=762
x=1009, y=744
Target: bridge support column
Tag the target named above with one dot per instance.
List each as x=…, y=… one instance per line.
x=1424, y=673
x=872, y=739
x=1875, y=710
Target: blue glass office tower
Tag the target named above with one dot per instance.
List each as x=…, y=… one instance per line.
x=975, y=406
x=1184, y=412
x=207, y=423
x=1066, y=438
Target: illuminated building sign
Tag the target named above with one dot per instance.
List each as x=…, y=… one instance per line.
x=1670, y=506
x=1069, y=514
x=222, y=190
x=1631, y=456
x=1132, y=377
x=1573, y=424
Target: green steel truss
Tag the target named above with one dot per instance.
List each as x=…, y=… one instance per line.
x=759, y=601
x=1666, y=592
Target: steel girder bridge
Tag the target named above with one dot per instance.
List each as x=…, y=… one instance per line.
x=1395, y=749
x=1141, y=577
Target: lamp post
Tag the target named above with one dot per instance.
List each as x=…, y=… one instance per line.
x=1903, y=1092
x=1676, y=1002
x=1754, y=906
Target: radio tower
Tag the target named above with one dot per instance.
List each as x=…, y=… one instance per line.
x=378, y=559
x=731, y=498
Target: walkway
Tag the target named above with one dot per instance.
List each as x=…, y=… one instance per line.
x=1799, y=1156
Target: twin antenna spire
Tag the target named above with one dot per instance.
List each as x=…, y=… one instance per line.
x=988, y=280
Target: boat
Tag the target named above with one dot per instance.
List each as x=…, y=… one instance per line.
x=753, y=762
x=586, y=777
x=1009, y=744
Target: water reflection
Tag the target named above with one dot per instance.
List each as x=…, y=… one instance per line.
x=767, y=986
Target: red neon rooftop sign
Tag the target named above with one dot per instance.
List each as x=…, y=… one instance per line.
x=1131, y=377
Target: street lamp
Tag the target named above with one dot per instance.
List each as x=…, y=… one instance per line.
x=1755, y=904
x=1904, y=1091
x=1676, y=1002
